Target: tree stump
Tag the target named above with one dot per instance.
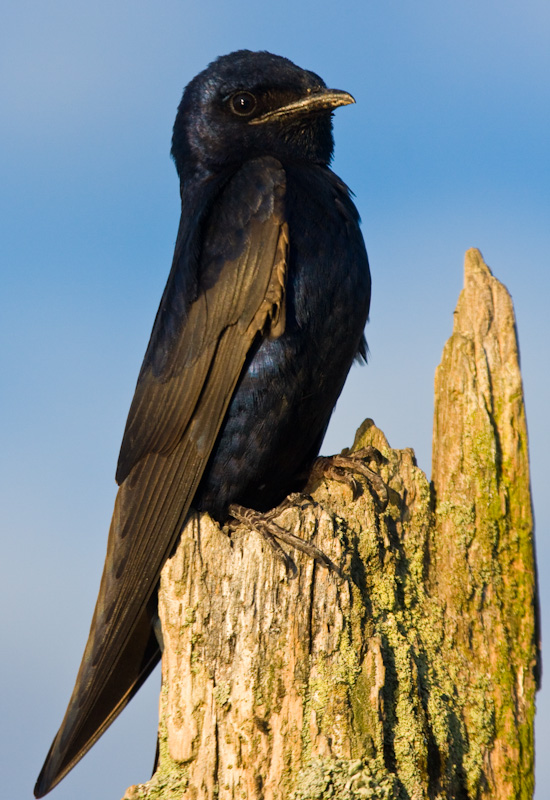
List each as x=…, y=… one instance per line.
x=408, y=673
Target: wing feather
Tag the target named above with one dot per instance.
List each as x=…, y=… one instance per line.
x=173, y=423
x=240, y=253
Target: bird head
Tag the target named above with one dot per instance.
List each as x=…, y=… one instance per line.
x=247, y=104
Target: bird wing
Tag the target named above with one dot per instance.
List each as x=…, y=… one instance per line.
x=195, y=357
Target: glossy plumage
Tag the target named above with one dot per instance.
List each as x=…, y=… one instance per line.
x=260, y=321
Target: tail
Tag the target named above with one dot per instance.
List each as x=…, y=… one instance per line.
x=82, y=727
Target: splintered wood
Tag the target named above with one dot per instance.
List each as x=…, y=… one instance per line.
x=410, y=672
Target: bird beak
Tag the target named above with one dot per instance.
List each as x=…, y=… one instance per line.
x=318, y=100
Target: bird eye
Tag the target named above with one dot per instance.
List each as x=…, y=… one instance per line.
x=242, y=103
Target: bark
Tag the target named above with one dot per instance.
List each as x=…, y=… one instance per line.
x=409, y=673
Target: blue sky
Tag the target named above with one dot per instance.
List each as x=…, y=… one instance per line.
x=447, y=148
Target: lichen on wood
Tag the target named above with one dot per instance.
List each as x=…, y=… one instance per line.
x=483, y=561
x=409, y=672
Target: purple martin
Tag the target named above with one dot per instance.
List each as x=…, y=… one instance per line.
x=261, y=318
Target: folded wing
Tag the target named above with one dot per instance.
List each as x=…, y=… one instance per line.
x=194, y=360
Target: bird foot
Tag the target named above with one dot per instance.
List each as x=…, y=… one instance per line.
x=263, y=524
x=345, y=468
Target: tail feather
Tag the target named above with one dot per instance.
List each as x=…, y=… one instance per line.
x=76, y=734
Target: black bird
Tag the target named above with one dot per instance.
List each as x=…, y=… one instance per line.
x=261, y=319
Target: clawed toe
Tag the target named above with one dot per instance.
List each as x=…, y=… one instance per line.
x=273, y=534
x=342, y=468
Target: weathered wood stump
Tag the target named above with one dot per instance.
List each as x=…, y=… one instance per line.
x=411, y=672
